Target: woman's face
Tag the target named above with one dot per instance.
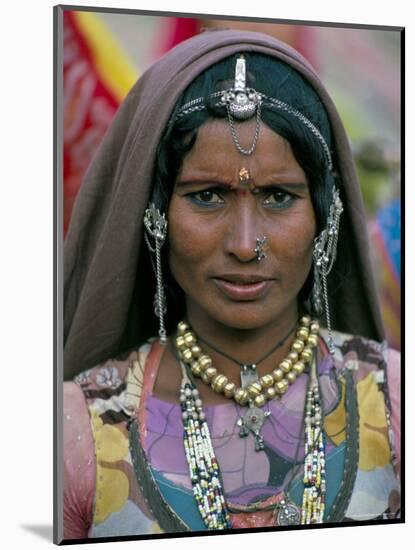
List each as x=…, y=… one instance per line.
x=215, y=221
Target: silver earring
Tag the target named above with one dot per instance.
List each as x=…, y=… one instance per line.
x=261, y=247
x=316, y=292
x=324, y=256
x=155, y=225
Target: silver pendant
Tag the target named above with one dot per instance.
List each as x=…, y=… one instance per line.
x=287, y=513
x=248, y=375
x=252, y=422
x=241, y=101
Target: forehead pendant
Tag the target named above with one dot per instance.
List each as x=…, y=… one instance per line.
x=242, y=103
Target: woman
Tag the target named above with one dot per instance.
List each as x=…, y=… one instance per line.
x=229, y=158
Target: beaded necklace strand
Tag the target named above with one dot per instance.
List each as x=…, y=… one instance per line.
x=203, y=466
x=204, y=469
x=313, y=505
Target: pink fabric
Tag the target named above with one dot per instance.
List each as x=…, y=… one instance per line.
x=79, y=452
x=176, y=30
x=150, y=374
x=79, y=464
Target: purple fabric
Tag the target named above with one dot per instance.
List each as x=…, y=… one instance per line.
x=247, y=475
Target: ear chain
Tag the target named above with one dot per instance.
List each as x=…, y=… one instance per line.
x=156, y=227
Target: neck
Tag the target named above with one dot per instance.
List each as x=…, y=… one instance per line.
x=246, y=346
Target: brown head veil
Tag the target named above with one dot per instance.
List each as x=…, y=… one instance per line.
x=106, y=288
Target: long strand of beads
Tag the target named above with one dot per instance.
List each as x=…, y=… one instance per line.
x=203, y=466
x=313, y=505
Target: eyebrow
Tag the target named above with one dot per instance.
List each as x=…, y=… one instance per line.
x=303, y=186
x=206, y=182
x=300, y=186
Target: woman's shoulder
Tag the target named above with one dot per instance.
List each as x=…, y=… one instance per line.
x=365, y=358
x=376, y=371
x=361, y=348
x=94, y=407
x=102, y=390
x=79, y=468
x=109, y=375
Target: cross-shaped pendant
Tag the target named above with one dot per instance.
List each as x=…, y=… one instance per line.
x=252, y=422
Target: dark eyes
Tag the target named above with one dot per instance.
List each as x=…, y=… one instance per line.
x=279, y=198
x=208, y=197
x=211, y=198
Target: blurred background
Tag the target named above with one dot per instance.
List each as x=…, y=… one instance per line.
x=105, y=53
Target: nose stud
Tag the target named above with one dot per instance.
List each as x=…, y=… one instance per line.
x=261, y=247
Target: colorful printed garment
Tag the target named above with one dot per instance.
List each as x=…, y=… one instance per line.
x=103, y=496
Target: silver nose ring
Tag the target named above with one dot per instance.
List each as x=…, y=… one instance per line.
x=261, y=247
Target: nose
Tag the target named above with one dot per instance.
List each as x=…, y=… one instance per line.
x=243, y=231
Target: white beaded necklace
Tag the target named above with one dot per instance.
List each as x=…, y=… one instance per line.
x=204, y=469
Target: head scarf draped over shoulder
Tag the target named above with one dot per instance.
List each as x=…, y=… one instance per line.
x=106, y=309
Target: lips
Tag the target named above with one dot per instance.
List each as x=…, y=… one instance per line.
x=243, y=287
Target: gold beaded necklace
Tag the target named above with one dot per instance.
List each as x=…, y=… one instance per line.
x=255, y=393
x=266, y=387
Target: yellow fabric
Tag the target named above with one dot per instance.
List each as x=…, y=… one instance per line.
x=113, y=65
x=374, y=451
x=112, y=485
x=374, y=445
x=113, y=444
x=113, y=492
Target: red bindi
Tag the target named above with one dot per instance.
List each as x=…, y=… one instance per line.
x=245, y=181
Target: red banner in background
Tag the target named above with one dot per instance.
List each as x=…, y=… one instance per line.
x=88, y=110
x=96, y=76
x=177, y=29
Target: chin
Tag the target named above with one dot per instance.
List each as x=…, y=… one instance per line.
x=246, y=316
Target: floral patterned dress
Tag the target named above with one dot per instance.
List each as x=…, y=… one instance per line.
x=108, y=491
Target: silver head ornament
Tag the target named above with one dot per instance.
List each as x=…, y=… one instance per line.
x=242, y=102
